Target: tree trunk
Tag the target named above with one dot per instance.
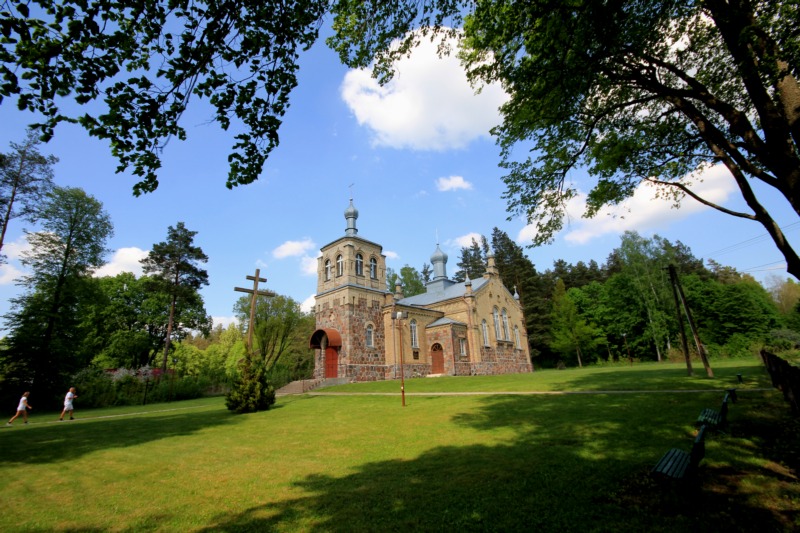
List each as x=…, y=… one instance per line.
x=169, y=333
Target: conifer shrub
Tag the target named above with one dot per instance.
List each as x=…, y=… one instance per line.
x=251, y=391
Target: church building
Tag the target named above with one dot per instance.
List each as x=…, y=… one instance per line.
x=365, y=332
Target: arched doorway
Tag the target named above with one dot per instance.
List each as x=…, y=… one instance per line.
x=437, y=359
x=328, y=341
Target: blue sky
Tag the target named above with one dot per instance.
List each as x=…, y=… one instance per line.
x=416, y=157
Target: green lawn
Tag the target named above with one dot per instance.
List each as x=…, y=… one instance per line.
x=501, y=462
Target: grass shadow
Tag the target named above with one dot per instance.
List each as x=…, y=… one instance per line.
x=570, y=464
x=42, y=443
x=665, y=379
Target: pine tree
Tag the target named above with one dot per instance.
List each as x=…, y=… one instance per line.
x=173, y=265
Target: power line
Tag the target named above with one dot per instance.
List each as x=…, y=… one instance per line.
x=749, y=242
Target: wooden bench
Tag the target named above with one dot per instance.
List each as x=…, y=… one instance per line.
x=678, y=464
x=715, y=419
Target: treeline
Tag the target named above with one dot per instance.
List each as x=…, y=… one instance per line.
x=625, y=308
x=120, y=339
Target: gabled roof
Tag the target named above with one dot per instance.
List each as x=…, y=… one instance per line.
x=444, y=321
x=456, y=290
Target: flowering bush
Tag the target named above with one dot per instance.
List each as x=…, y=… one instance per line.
x=126, y=386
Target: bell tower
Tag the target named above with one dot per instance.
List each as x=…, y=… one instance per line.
x=351, y=288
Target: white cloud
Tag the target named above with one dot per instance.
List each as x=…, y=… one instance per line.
x=308, y=265
x=308, y=304
x=642, y=212
x=224, y=320
x=453, y=183
x=465, y=241
x=14, y=249
x=428, y=105
x=123, y=260
x=9, y=274
x=293, y=248
x=391, y=255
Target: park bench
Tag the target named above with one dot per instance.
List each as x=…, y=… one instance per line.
x=713, y=418
x=679, y=464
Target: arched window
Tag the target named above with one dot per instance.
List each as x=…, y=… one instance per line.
x=359, y=265
x=327, y=270
x=370, y=336
x=339, y=265
x=496, y=317
x=485, y=331
x=413, y=328
x=505, y=326
x=373, y=268
x=516, y=338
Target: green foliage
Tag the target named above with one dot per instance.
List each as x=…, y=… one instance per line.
x=173, y=267
x=278, y=321
x=473, y=260
x=251, y=391
x=519, y=275
x=629, y=91
x=104, y=388
x=571, y=333
x=26, y=176
x=781, y=340
x=95, y=388
x=411, y=281
x=148, y=61
x=45, y=344
x=723, y=310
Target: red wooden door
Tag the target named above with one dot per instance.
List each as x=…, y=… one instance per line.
x=437, y=361
x=331, y=363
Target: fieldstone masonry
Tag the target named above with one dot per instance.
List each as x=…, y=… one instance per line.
x=354, y=305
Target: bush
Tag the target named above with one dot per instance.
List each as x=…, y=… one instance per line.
x=780, y=340
x=100, y=388
x=94, y=388
x=251, y=391
x=739, y=345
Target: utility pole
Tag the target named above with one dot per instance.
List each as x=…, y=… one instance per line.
x=700, y=350
x=684, y=342
x=253, y=292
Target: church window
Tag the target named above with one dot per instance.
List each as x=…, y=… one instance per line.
x=339, y=265
x=496, y=317
x=414, y=341
x=370, y=336
x=327, y=270
x=463, y=346
x=516, y=338
x=485, y=331
x=359, y=265
x=373, y=268
x=505, y=326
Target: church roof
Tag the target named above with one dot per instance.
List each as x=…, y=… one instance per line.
x=456, y=290
x=444, y=321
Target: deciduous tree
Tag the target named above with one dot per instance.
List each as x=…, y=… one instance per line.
x=571, y=333
x=276, y=320
x=139, y=64
x=45, y=339
x=652, y=91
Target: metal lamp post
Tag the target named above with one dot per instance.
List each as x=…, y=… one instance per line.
x=402, y=375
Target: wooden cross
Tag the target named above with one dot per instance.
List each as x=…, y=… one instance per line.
x=253, y=292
